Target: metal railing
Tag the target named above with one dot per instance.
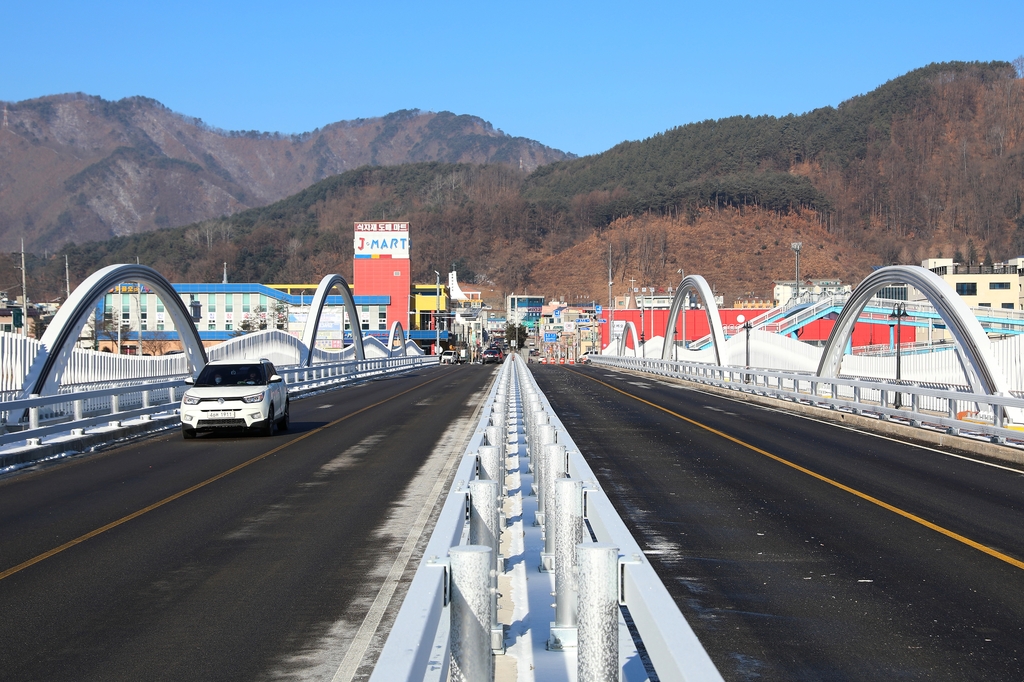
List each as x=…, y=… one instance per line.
x=32, y=419
x=957, y=412
x=432, y=639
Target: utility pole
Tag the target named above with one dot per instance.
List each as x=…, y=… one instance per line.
x=138, y=314
x=796, y=246
x=611, y=301
x=437, y=314
x=24, y=293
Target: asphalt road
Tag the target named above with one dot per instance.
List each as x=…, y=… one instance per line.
x=225, y=557
x=799, y=550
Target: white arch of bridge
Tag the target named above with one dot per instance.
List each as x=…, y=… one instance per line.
x=313, y=320
x=396, y=328
x=622, y=339
x=972, y=344
x=58, y=341
x=698, y=285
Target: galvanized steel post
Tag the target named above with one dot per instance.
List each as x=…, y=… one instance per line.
x=545, y=436
x=598, y=643
x=485, y=530
x=470, y=636
x=552, y=467
x=492, y=467
x=568, y=531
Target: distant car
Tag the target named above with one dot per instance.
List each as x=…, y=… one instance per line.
x=491, y=355
x=449, y=357
x=232, y=394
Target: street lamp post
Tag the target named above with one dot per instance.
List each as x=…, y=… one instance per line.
x=796, y=246
x=746, y=327
x=682, y=276
x=437, y=311
x=899, y=311
x=643, y=353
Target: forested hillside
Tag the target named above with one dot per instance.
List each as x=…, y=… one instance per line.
x=930, y=163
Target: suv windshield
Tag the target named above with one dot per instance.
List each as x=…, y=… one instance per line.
x=232, y=375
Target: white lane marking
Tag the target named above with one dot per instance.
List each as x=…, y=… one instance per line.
x=639, y=383
x=449, y=450
x=324, y=407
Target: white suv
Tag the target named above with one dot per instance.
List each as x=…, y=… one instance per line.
x=233, y=394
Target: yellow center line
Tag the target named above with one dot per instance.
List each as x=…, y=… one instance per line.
x=825, y=479
x=134, y=515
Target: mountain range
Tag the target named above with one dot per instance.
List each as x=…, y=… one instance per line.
x=928, y=164
x=76, y=168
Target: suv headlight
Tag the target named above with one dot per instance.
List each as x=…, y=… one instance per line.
x=190, y=399
x=258, y=398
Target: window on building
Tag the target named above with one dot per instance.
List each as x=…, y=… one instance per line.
x=211, y=303
x=1004, y=286
x=159, y=306
x=228, y=326
x=967, y=288
x=382, y=320
x=984, y=305
x=212, y=327
x=245, y=303
x=229, y=303
x=894, y=293
x=1007, y=306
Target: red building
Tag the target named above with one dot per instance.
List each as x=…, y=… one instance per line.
x=380, y=267
x=654, y=321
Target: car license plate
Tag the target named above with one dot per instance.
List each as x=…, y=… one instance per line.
x=221, y=414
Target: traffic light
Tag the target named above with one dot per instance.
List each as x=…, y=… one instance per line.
x=19, y=321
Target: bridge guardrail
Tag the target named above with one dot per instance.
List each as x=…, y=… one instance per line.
x=67, y=412
x=920, y=406
x=418, y=646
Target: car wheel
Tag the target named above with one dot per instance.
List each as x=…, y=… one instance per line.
x=188, y=433
x=270, y=425
x=286, y=419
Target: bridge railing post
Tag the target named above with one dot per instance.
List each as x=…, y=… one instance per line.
x=568, y=531
x=472, y=659
x=552, y=468
x=598, y=619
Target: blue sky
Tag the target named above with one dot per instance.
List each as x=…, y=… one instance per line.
x=577, y=76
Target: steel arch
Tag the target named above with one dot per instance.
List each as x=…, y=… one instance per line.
x=396, y=326
x=699, y=285
x=319, y=300
x=972, y=343
x=59, y=339
x=622, y=339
